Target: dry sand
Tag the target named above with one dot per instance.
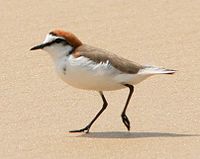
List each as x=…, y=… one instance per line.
x=37, y=109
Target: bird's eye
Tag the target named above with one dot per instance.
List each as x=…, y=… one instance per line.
x=59, y=40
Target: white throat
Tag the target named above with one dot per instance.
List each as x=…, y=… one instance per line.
x=58, y=51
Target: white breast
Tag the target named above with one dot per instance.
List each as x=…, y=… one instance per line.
x=86, y=74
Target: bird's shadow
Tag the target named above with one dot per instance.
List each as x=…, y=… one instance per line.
x=128, y=135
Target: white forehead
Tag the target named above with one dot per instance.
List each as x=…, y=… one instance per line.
x=50, y=38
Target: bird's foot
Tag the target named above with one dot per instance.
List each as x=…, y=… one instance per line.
x=86, y=130
x=126, y=121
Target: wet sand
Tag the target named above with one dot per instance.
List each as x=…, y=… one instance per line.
x=37, y=109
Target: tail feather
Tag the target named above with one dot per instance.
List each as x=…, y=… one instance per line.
x=151, y=70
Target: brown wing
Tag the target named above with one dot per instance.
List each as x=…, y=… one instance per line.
x=100, y=55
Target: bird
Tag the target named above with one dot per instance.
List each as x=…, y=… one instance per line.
x=90, y=68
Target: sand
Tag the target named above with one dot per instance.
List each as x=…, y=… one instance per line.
x=37, y=109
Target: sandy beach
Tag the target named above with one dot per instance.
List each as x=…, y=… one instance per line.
x=37, y=109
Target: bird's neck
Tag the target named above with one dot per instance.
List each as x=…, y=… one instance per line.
x=59, y=52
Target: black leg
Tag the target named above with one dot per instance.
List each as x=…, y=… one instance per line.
x=87, y=128
x=123, y=115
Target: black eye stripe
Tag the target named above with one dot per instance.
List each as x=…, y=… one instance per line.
x=58, y=41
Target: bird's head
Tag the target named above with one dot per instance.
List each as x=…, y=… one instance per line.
x=58, y=43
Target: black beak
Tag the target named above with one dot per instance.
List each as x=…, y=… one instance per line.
x=41, y=46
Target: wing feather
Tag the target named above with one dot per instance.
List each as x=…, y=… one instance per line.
x=100, y=55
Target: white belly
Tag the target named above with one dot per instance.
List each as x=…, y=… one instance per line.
x=85, y=74
x=90, y=82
